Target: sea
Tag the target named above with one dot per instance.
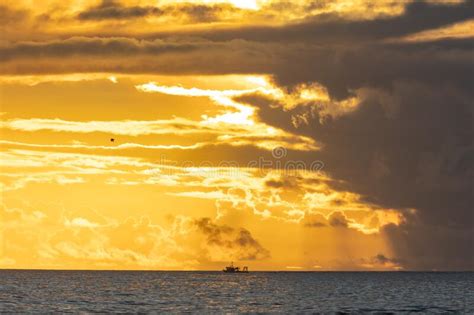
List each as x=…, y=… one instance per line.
x=34, y=291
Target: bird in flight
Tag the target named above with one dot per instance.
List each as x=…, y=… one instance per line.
x=112, y=140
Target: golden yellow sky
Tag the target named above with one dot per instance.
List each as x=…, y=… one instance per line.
x=198, y=173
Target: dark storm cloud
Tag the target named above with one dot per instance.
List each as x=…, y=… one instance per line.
x=239, y=240
x=342, y=69
x=110, y=9
x=422, y=246
x=409, y=143
x=97, y=54
x=418, y=16
x=309, y=51
x=408, y=146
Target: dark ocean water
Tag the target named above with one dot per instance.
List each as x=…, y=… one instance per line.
x=283, y=292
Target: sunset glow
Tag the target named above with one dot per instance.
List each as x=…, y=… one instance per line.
x=281, y=135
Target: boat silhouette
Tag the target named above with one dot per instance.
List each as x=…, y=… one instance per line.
x=232, y=269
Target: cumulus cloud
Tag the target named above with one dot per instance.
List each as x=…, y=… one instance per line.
x=131, y=243
x=384, y=260
x=238, y=244
x=338, y=219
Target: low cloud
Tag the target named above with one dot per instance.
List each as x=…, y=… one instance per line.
x=238, y=244
x=338, y=219
x=384, y=260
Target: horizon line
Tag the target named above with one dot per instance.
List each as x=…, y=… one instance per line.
x=219, y=271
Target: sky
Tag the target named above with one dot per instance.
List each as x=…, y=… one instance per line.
x=304, y=135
